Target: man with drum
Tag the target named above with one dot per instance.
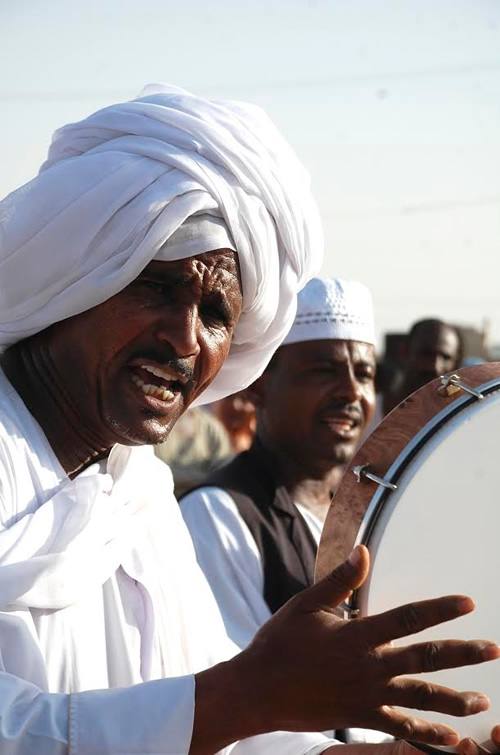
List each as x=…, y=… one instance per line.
x=154, y=261
x=256, y=523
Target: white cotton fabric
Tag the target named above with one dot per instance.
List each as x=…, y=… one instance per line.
x=230, y=559
x=117, y=185
x=100, y=599
x=333, y=308
x=198, y=234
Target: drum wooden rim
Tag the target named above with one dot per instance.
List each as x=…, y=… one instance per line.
x=381, y=448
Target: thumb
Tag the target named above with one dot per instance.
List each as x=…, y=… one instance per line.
x=337, y=586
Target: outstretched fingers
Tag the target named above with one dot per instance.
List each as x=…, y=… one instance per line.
x=432, y=656
x=404, y=726
x=414, y=693
x=414, y=617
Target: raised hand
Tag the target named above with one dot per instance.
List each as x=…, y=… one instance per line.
x=307, y=670
x=318, y=672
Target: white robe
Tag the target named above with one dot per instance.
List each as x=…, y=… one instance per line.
x=230, y=559
x=100, y=598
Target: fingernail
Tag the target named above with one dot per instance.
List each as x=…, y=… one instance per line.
x=468, y=747
x=450, y=738
x=466, y=604
x=490, y=651
x=355, y=557
x=479, y=703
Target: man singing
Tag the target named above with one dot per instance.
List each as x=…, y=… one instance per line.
x=154, y=263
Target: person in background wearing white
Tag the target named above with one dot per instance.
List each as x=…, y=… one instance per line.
x=256, y=522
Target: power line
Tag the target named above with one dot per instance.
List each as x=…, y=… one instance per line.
x=416, y=208
x=329, y=81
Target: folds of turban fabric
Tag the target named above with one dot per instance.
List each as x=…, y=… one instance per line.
x=117, y=185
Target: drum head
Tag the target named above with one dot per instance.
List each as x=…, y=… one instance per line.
x=437, y=533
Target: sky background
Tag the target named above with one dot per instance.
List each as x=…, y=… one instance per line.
x=393, y=105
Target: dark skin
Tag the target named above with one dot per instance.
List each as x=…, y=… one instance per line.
x=314, y=403
x=90, y=382
x=469, y=747
x=433, y=351
x=331, y=673
x=75, y=377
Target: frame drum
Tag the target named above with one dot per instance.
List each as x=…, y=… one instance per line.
x=423, y=493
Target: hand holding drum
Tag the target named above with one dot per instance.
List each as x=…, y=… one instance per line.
x=333, y=673
x=424, y=499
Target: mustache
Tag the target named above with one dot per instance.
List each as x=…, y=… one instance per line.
x=350, y=410
x=182, y=367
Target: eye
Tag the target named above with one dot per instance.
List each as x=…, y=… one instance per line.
x=216, y=312
x=323, y=369
x=156, y=289
x=154, y=285
x=214, y=315
x=365, y=374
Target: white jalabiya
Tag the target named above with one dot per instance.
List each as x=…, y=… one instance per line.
x=230, y=559
x=100, y=590
x=117, y=185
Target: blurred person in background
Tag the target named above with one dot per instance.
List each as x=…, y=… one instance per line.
x=257, y=521
x=433, y=348
x=198, y=445
x=237, y=415
x=132, y=267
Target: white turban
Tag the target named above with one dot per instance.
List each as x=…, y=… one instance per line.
x=333, y=308
x=117, y=185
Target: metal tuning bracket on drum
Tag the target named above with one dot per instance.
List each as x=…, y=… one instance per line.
x=451, y=384
x=362, y=471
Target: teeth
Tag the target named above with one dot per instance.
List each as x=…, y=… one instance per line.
x=153, y=390
x=161, y=373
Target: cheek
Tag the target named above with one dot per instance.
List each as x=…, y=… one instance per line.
x=369, y=404
x=214, y=352
x=122, y=330
x=296, y=407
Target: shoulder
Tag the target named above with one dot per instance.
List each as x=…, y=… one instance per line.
x=211, y=513
x=240, y=476
x=210, y=499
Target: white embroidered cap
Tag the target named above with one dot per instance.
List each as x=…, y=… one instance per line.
x=333, y=308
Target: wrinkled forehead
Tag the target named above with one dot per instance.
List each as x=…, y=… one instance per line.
x=219, y=266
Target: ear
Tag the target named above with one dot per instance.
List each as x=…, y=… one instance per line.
x=256, y=393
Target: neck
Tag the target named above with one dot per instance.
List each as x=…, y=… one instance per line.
x=317, y=494
x=34, y=379
x=314, y=490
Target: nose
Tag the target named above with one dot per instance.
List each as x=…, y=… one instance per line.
x=435, y=365
x=348, y=387
x=179, y=328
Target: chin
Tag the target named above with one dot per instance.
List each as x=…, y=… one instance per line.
x=149, y=432
x=342, y=453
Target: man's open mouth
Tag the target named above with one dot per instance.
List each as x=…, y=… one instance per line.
x=157, y=381
x=341, y=423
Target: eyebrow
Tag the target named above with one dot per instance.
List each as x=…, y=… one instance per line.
x=370, y=361
x=164, y=275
